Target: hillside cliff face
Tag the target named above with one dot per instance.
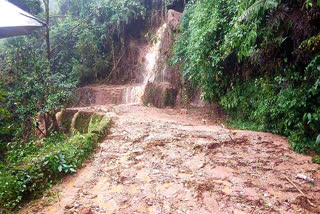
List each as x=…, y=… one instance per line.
x=144, y=74
x=166, y=87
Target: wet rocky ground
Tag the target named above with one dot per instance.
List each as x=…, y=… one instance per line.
x=177, y=161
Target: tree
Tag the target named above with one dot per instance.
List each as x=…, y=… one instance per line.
x=5, y=130
x=31, y=85
x=31, y=6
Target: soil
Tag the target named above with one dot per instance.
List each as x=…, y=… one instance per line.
x=184, y=161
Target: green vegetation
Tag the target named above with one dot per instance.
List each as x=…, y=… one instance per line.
x=4, y=121
x=260, y=60
x=316, y=159
x=30, y=168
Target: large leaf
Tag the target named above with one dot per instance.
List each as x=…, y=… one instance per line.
x=318, y=139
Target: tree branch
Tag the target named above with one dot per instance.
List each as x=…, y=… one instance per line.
x=116, y=65
x=60, y=16
x=69, y=33
x=73, y=29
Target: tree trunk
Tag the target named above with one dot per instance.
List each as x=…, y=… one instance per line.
x=47, y=35
x=46, y=124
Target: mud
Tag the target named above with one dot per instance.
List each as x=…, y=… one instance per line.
x=179, y=161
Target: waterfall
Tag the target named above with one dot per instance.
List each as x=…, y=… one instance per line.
x=134, y=93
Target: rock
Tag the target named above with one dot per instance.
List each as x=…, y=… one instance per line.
x=213, y=145
x=160, y=95
x=204, y=122
x=174, y=19
x=76, y=205
x=92, y=196
x=184, y=111
x=68, y=206
x=86, y=211
x=95, y=206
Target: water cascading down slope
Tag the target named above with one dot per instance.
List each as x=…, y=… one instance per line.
x=95, y=95
x=135, y=93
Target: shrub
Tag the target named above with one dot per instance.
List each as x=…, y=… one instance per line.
x=316, y=159
x=31, y=168
x=283, y=105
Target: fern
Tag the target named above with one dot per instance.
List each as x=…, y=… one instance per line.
x=256, y=7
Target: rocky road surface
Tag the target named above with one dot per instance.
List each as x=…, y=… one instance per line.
x=177, y=161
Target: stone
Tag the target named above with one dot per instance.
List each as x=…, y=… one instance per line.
x=86, y=211
x=160, y=95
x=68, y=206
x=76, y=205
x=184, y=111
x=174, y=19
x=92, y=196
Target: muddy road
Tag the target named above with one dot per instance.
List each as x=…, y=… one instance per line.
x=177, y=161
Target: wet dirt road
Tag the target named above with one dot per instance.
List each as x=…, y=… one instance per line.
x=173, y=161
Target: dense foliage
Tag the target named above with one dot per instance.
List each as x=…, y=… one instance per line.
x=31, y=168
x=4, y=122
x=32, y=87
x=260, y=59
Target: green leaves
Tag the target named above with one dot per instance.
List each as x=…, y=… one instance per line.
x=257, y=6
x=33, y=167
x=310, y=3
x=212, y=32
x=58, y=163
x=318, y=139
x=5, y=123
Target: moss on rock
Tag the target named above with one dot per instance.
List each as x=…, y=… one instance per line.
x=80, y=122
x=64, y=119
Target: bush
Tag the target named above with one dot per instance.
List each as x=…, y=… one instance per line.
x=316, y=159
x=31, y=168
x=281, y=105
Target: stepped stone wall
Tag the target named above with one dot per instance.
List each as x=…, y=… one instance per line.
x=71, y=121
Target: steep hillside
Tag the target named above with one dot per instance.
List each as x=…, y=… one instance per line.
x=260, y=60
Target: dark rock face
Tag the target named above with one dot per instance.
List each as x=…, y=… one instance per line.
x=160, y=95
x=163, y=92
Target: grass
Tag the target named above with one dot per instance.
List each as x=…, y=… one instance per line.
x=316, y=159
x=243, y=125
